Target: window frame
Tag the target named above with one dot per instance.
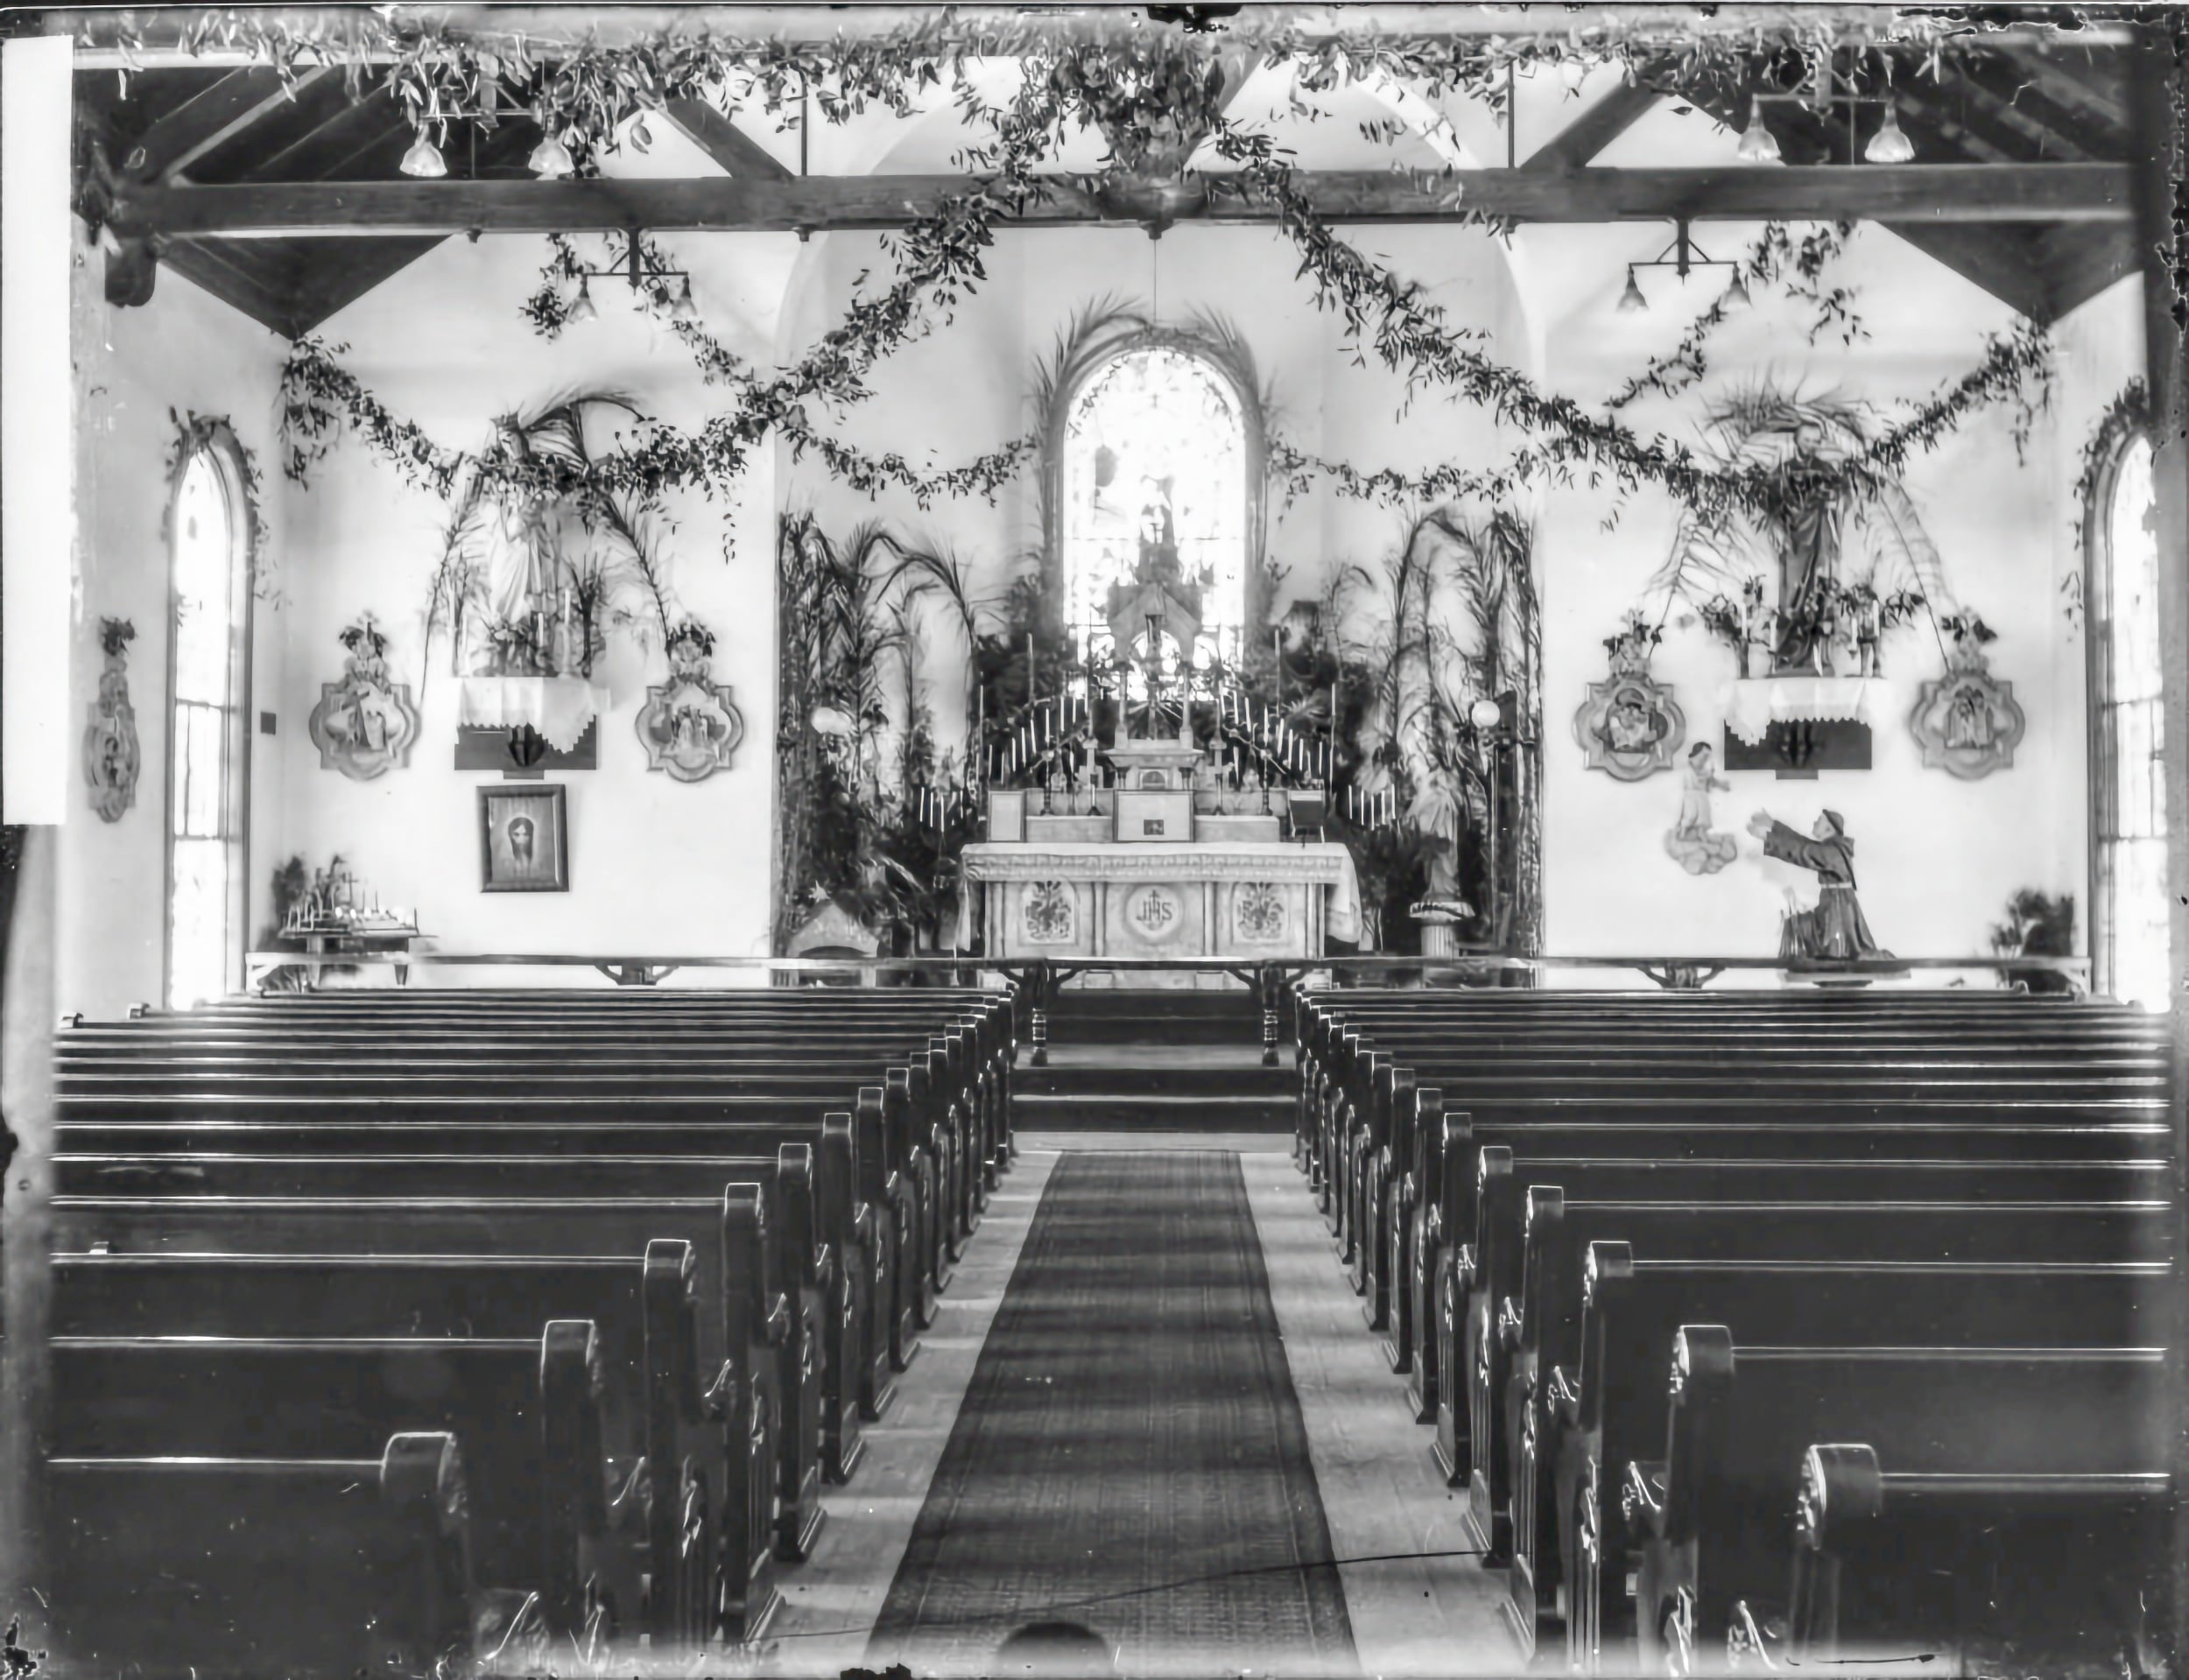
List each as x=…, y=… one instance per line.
x=218, y=446
x=1229, y=363
x=2126, y=426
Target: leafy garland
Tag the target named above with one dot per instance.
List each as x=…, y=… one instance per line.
x=1149, y=96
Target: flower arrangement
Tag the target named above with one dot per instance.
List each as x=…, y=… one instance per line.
x=1635, y=640
x=365, y=638
x=1725, y=622
x=693, y=638
x=115, y=636
x=1967, y=629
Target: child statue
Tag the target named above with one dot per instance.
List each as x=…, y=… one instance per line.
x=1699, y=848
x=1834, y=931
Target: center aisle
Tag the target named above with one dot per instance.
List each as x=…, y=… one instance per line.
x=1130, y=1454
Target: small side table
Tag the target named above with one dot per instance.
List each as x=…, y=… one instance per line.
x=342, y=940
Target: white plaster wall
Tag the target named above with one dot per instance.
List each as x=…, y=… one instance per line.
x=657, y=866
x=183, y=351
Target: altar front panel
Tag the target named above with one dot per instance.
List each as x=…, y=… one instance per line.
x=1232, y=903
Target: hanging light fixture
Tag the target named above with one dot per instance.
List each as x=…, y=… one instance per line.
x=1632, y=302
x=1736, y=293
x=550, y=159
x=1759, y=144
x=582, y=308
x=424, y=159
x=1890, y=143
x=684, y=308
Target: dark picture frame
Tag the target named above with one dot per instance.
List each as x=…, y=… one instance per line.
x=516, y=857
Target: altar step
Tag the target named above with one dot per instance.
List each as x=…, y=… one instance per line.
x=1155, y=1018
x=1145, y=1086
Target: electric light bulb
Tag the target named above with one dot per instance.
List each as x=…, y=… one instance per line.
x=1631, y=301
x=424, y=159
x=1890, y=143
x=1759, y=144
x=582, y=309
x=1736, y=295
x=550, y=159
x=684, y=308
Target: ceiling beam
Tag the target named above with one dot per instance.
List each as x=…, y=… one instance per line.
x=1577, y=144
x=201, y=125
x=738, y=153
x=1936, y=192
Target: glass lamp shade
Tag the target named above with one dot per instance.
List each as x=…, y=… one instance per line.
x=1759, y=144
x=424, y=159
x=1890, y=143
x=1485, y=713
x=1736, y=294
x=1632, y=302
x=684, y=308
x=551, y=158
x=582, y=308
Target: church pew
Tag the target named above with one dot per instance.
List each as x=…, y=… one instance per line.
x=1478, y=1185
x=1447, y=1183
x=318, y=1569
x=713, y=1512
x=1512, y=1345
x=1718, y=1510
x=1610, y=1408
x=1854, y=1600
x=857, y=1366
x=967, y=1088
x=539, y=1475
x=868, y=1314
x=729, y=1235
x=1384, y=1163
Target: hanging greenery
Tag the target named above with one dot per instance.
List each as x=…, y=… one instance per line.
x=195, y=433
x=1153, y=94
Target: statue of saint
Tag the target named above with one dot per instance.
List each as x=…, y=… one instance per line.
x=1834, y=931
x=1809, y=557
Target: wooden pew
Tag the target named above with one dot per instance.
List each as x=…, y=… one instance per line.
x=313, y=1568
x=541, y=1482
x=1514, y=1347
x=848, y=1266
x=729, y=1246
x=1719, y=1510
x=707, y=1523
x=1610, y=1409
x=1855, y=1601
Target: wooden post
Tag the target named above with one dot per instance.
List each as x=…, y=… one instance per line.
x=2158, y=147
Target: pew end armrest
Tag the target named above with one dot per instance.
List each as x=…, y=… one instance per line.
x=1642, y=1498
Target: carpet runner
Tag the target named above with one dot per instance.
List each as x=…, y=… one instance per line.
x=1130, y=1454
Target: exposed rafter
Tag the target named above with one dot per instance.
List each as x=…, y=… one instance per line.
x=1578, y=144
x=2095, y=194
x=223, y=112
x=738, y=153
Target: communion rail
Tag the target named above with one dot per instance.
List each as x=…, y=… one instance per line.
x=1040, y=980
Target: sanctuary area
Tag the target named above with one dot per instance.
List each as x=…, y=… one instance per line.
x=1093, y=839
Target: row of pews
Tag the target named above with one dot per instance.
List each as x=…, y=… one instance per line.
x=1770, y=1330
x=397, y=1329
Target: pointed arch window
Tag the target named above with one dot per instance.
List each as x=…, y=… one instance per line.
x=2129, y=904
x=209, y=749
x=1159, y=464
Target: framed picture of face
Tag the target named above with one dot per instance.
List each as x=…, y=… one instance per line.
x=524, y=840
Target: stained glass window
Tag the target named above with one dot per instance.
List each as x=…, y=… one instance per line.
x=205, y=865
x=1155, y=483
x=2131, y=909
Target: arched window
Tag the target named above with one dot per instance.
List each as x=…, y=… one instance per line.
x=208, y=773
x=1158, y=462
x=2127, y=788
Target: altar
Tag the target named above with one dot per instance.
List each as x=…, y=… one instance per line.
x=1242, y=901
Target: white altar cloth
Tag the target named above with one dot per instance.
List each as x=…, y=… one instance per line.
x=1752, y=705
x=1323, y=864
x=558, y=708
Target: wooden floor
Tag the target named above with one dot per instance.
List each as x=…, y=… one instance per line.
x=1412, y=1611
